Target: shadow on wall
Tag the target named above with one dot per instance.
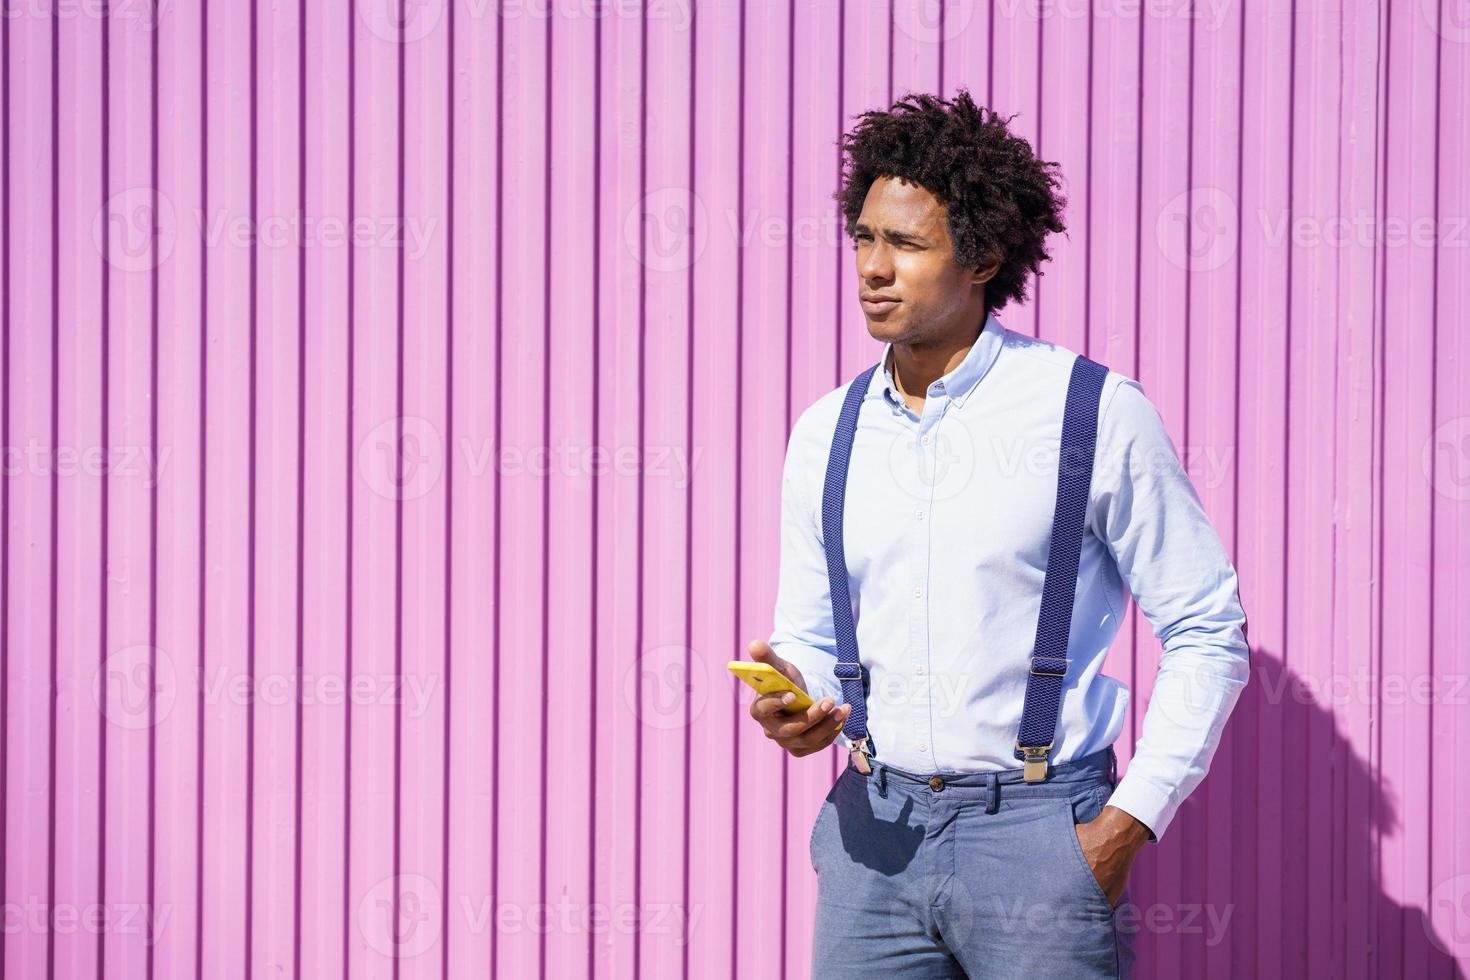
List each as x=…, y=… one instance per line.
x=1299, y=891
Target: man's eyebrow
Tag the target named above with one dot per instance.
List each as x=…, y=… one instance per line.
x=890, y=232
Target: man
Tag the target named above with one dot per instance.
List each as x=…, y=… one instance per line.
x=979, y=827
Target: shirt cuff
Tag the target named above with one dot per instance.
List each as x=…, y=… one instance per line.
x=1146, y=803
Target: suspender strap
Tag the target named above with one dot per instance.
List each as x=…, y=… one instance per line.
x=1059, y=589
x=834, y=490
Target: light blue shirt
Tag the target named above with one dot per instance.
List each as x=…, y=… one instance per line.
x=948, y=522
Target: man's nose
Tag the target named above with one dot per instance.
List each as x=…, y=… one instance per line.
x=877, y=263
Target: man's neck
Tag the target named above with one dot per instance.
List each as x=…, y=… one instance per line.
x=914, y=371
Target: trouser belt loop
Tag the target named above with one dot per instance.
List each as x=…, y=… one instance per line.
x=992, y=792
x=1112, y=766
x=883, y=781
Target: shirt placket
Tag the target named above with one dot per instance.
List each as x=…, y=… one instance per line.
x=918, y=689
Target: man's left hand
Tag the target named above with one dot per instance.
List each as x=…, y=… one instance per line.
x=1109, y=842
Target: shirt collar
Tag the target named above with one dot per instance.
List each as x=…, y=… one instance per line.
x=958, y=383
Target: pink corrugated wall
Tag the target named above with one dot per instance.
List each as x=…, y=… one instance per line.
x=394, y=399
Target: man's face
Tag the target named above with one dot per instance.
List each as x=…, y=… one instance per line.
x=903, y=251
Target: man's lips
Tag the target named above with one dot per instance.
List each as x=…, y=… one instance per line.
x=878, y=302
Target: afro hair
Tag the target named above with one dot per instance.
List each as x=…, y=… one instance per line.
x=1000, y=198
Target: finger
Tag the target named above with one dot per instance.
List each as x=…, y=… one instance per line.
x=771, y=711
x=775, y=704
x=770, y=706
x=825, y=730
x=820, y=735
x=793, y=724
x=807, y=721
x=761, y=652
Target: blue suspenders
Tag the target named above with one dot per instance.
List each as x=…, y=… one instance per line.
x=1059, y=588
x=847, y=669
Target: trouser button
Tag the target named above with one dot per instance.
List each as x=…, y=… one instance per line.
x=935, y=783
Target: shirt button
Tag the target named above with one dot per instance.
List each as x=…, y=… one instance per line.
x=925, y=440
x=935, y=783
x=918, y=593
x=919, y=669
x=919, y=514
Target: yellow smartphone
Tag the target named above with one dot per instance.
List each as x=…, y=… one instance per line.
x=768, y=680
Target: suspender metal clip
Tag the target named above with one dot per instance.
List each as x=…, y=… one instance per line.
x=860, y=756
x=1034, y=767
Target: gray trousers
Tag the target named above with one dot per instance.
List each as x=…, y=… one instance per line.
x=974, y=875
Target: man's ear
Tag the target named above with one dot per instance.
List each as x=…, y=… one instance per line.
x=986, y=271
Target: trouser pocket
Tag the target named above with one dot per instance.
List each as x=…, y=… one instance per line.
x=825, y=813
x=1081, y=809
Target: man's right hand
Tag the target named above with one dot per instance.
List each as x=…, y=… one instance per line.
x=800, y=734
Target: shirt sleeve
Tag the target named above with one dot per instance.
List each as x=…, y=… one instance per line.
x=803, y=631
x=1151, y=519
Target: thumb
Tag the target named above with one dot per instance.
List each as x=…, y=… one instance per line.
x=761, y=652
